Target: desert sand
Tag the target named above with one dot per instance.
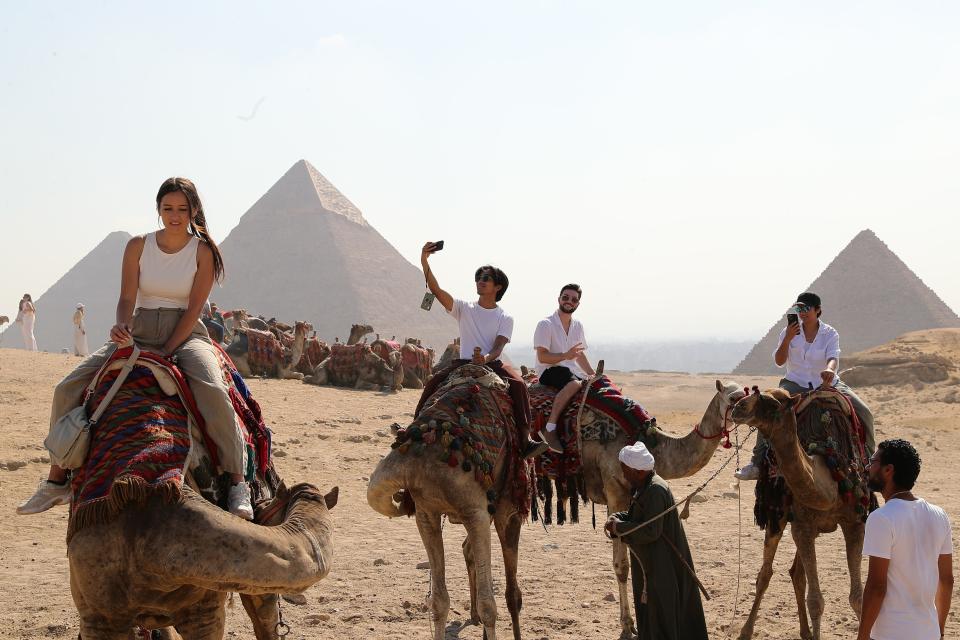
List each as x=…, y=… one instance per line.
x=330, y=436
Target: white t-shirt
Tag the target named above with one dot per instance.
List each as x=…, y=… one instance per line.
x=805, y=360
x=551, y=336
x=912, y=534
x=480, y=327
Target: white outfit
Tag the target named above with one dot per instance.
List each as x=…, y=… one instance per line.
x=166, y=278
x=912, y=534
x=480, y=327
x=805, y=360
x=551, y=336
x=80, y=347
x=27, y=318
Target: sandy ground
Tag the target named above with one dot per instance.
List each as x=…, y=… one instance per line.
x=334, y=436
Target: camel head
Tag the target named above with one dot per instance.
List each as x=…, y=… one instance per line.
x=765, y=410
x=302, y=329
x=730, y=394
x=272, y=511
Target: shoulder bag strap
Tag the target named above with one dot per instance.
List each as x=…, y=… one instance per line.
x=107, y=399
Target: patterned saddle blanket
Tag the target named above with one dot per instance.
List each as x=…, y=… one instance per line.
x=152, y=437
x=468, y=423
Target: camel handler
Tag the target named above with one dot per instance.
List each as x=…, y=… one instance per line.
x=666, y=599
x=485, y=329
x=561, y=362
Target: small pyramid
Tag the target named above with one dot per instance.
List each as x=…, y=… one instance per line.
x=869, y=295
x=94, y=281
x=303, y=251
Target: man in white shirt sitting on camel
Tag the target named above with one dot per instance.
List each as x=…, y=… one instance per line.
x=561, y=362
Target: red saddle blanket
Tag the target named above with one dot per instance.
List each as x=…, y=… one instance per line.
x=141, y=444
x=604, y=397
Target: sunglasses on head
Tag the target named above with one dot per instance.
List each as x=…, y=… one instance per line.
x=484, y=277
x=566, y=298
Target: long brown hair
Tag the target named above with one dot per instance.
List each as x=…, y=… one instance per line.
x=198, y=221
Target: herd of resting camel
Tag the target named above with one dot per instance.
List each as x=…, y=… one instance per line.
x=149, y=569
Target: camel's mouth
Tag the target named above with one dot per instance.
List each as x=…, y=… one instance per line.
x=741, y=412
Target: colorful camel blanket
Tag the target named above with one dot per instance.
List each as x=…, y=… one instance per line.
x=264, y=351
x=344, y=361
x=384, y=348
x=141, y=445
x=315, y=351
x=418, y=360
x=608, y=414
x=468, y=423
x=828, y=426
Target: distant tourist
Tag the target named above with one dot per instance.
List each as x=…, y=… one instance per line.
x=166, y=277
x=27, y=316
x=485, y=329
x=908, y=541
x=561, y=362
x=810, y=350
x=80, y=347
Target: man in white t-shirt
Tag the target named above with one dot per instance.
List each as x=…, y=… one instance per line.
x=908, y=541
x=561, y=362
x=485, y=329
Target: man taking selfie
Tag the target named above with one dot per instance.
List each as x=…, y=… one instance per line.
x=485, y=329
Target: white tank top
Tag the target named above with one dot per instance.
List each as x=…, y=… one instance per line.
x=166, y=278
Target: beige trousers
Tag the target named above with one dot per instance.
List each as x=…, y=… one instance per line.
x=196, y=358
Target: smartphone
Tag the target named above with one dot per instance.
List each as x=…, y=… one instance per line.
x=437, y=246
x=792, y=318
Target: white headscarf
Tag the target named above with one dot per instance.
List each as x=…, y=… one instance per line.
x=637, y=456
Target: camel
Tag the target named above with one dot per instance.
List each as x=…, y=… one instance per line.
x=149, y=567
x=677, y=457
x=423, y=486
x=359, y=367
x=285, y=369
x=357, y=332
x=817, y=508
x=451, y=353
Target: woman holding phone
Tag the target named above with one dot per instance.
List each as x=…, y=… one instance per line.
x=810, y=350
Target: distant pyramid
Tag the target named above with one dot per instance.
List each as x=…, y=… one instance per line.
x=869, y=295
x=94, y=281
x=303, y=251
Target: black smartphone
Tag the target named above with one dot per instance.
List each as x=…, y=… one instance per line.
x=438, y=245
x=792, y=318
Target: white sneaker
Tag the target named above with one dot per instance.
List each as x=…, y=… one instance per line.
x=48, y=495
x=749, y=472
x=238, y=502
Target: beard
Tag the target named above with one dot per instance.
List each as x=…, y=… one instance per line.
x=567, y=308
x=874, y=483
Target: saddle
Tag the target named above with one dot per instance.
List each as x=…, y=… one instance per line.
x=152, y=438
x=468, y=423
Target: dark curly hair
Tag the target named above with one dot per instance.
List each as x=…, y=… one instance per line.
x=905, y=461
x=499, y=278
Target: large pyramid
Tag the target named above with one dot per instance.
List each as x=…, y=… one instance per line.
x=94, y=281
x=303, y=251
x=870, y=296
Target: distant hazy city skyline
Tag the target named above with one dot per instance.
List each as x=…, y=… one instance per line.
x=693, y=167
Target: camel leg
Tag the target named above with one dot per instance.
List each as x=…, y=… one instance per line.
x=262, y=611
x=770, y=543
x=619, y=500
x=805, y=538
x=799, y=579
x=853, y=537
x=93, y=627
x=508, y=529
x=430, y=533
x=205, y=619
x=478, y=530
x=472, y=577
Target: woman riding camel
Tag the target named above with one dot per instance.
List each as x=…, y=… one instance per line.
x=166, y=278
x=810, y=350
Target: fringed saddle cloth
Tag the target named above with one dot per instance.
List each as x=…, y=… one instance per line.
x=315, y=351
x=608, y=414
x=827, y=426
x=344, y=361
x=418, y=360
x=264, y=352
x=152, y=437
x=468, y=423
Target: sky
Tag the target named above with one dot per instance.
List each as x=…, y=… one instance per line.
x=661, y=155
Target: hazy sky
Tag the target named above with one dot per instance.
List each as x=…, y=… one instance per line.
x=661, y=154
